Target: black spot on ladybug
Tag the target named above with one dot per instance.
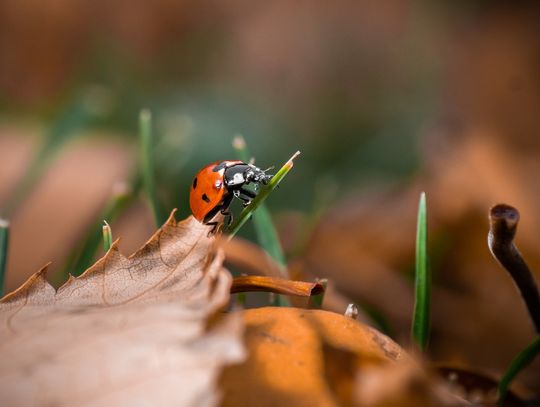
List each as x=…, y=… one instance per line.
x=195, y=183
x=205, y=198
x=219, y=167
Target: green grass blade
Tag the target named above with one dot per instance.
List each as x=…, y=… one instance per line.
x=262, y=221
x=421, y=317
x=146, y=144
x=261, y=197
x=4, y=244
x=107, y=236
x=264, y=227
x=268, y=238
x=524, y=358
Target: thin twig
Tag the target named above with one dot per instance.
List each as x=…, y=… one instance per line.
x=503, y=225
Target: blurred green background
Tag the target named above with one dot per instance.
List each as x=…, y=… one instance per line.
x=362, y=89
x=350, y=84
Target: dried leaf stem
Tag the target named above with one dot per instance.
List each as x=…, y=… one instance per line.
x=503, y=225
x=275, y=285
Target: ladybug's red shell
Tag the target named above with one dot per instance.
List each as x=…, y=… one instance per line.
x=208, y=188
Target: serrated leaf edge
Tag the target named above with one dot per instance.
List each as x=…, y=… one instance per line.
x=39, y=278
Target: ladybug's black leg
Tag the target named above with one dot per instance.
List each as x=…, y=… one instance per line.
x=228, y=217
x=215, y=226
x=245, y=195
x=222, y=208
x=208, y=218
x=225, y=210
x=248, y=193
x=245, y=200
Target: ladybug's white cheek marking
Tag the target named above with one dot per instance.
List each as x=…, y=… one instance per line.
x=238, y=179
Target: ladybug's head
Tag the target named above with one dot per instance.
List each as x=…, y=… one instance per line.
x=256, y=175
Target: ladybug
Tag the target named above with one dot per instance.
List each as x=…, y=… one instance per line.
x=215, y=186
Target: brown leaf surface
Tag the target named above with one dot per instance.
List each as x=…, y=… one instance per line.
x=129, y=330
x=288, y=363
x=300, y=357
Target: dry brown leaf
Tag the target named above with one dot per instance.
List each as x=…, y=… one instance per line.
x=286, y=364
x=128, y=331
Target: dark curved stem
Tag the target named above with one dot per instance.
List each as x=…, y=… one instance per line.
x=503, y=225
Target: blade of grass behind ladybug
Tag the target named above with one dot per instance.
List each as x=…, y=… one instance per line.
x=264, y=227
x=4, y=244
x=146, y=144
x=524, y=358
x=421, y=317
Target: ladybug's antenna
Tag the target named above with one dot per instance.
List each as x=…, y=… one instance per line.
x=269, y=168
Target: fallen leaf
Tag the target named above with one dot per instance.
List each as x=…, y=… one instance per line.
x=128, y=331
x=286, y=363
